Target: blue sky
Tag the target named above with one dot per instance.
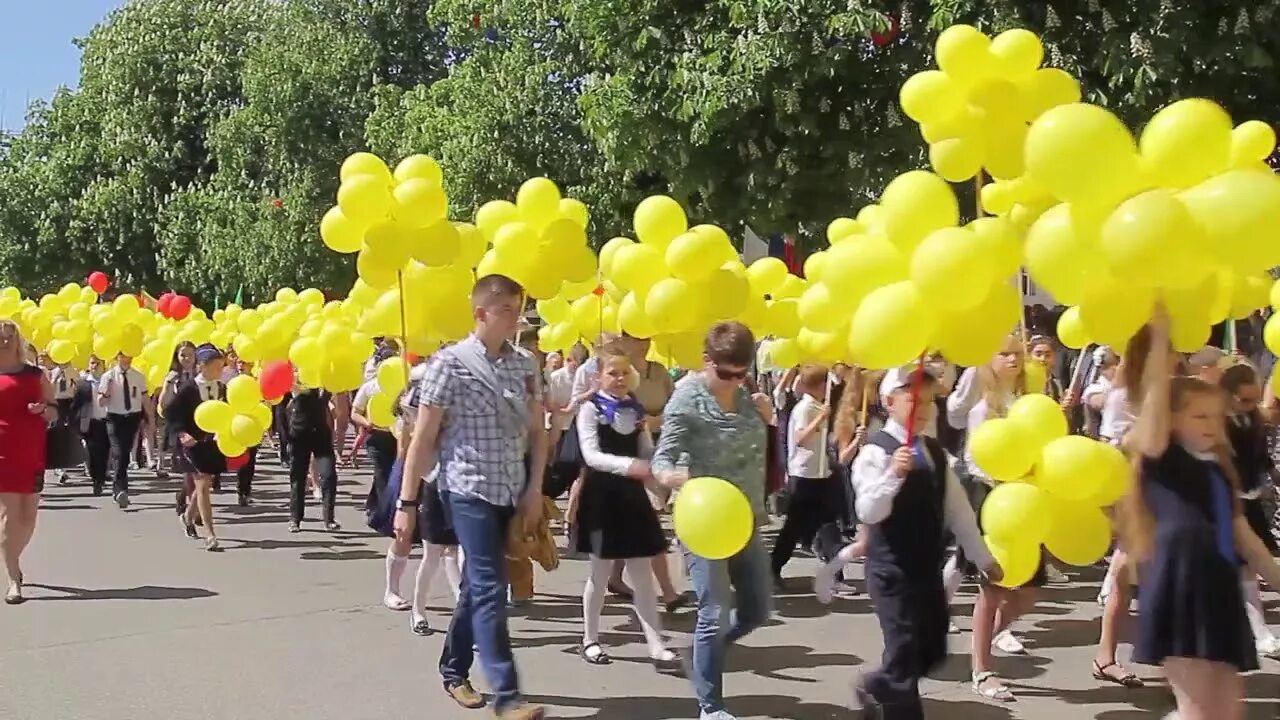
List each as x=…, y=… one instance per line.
x=36, y=50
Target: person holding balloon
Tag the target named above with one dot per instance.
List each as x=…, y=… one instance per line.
x=310, y=427
x=909, y=498
x=713, y=429
x=1184, y=522
x=182, y=367
x=190, y=413
x=244, y=473
x=616, y=520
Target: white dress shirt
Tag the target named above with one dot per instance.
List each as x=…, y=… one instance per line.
x=967, y=393
x=877, y=486
x=63, y=382
x=95, y=410
x=1117, y=416
x=559, y=395
x=112, y=391
x=807, y=459
x=624, y=422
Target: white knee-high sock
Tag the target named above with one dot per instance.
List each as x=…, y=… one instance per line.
x=1262, y=634
x=395, y=570
x=952, y=577
x=593, y=598
x=640, y=574
x=453, y=570
x=427, y=568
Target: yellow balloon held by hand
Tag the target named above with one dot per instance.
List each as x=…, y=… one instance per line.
x=213, y=416
x=713, y=518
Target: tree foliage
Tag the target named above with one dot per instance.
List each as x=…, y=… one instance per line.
x=202, y=145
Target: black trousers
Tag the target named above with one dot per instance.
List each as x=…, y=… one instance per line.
x=381, y=446
x=280, y=425
x=301, y=452
x=98, y=447
x=244, y=476
x=913, y=619
x=122, y=432
x=814, y=502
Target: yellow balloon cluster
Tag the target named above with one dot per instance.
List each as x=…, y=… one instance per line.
x=974, y=109
x=239, y=422
x=1053, y=486
x=1183, y=215
x=670, y=285
x=903, y=277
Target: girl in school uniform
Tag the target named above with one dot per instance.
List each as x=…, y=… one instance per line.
x=378, y=440
x=63, y=378
x=616, y=520
x=1001, y=381
x=1247, y=434
x=182, y=367
x=1184, y=521
x=200, y=457
x=245, y=473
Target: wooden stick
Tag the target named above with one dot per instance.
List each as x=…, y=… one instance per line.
x=866, y=397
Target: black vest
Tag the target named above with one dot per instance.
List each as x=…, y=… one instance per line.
x=1249, y=448
x=912, y=538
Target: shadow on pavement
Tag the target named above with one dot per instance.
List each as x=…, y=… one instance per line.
x=143, y=592
x=752, y=706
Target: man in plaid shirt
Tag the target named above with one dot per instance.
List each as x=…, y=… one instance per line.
x=479, y=411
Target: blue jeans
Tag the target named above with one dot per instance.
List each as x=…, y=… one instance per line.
x=480, y=617
x=741, y=580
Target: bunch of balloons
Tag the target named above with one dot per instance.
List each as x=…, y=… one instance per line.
x=1184, y=215
x=974, y=109
x=1052, y=488
x=393, y=377
x=239, y=422
x=174, y=306
x=904, y=277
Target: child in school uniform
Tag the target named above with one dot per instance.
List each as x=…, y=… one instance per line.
x=1246, y=433
x=616, y=520
x=910, y=498
x=236, y=367
x=1184, y=521
x=123, y=391
x=93, y=424
x=815, y=497
x=200, y=459
x=63, y=379
x=311, y=438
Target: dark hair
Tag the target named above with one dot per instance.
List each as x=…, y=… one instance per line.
x=578, y=352
x=730, y=343
x=813, y=375
x=1238, y=375
x=491, y=287
x=174, y=365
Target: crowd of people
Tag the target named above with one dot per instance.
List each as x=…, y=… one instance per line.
x=862, y=466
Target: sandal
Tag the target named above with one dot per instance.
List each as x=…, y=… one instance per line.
x=998, y=692
x=667, y=661
x=599, y=657
x=1127, y=679
x=681, y=600
x=14, y=596
x=621, y=591
x=420, y=626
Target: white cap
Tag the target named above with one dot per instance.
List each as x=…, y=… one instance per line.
x=1207, y=356
x=899, y=378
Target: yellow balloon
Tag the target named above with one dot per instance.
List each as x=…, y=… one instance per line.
x=783, y=318
x=1002, y=449
x=340, y=233
x=1047, y=88
x=419, y=166
x=712, y=518
x=1114, y=312
x=951, y=271
x=890, y=328
x=538, y=201
x=261, y=414
x=125, y=308
x=956, y=159
x=637, y=267
x=436, y=244
x=229, y=446
x=766, y=275
x=819, y=310
x=1186, y=142
x=609, y=251
x=575, y=210
x=632, y=317
x=659, y=219
x=1151, y=239
x=243, y=394
x=1251, y=142
x=213, y=416
x=471, y=244
x=1062, y=250
x=381, y=411
x=931, y=96
x=1003, y=138
x=694, y=256
x=244, y=430
x=973, y=337
x=1016, y=512
x=363, y=163
x=1071, y=330
x=1082, y=154
x=999, y=243
x=418, y=202
x=393, y=375
x=247, y=348
x=671, y=305
x=366, y=199
x=1237, y=210
x=726, y=294
x=1017, y=52
x=1039, y=418
x=915, y=204
x=493, y=215
x=853, y=269
x=1018, y=560
x=1073, y=468
x=1079, y=534
x=964, y=53
x=377, y=270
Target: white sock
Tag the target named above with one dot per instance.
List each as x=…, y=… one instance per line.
x=640, y=575
x=453, y=571
x=395, y=570
x=1262, y=634
x=593, y=598
x=1109, y=582
x=427, y=567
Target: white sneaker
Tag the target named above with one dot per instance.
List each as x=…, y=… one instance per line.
x=1009, y=644
x=717, y=715
x=1269, y=647
x=953, y=629
x=1054, y=576
x=824, y=583
x=1102, y=600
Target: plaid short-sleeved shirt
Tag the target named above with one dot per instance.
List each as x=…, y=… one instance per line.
x=479, y=456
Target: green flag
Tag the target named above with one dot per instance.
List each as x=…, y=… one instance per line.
x=240, y=296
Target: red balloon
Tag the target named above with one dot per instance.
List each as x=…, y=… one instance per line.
x=164, y=305
x=99, y=281
x=237, y=462
x=180, y=307
x=276, y=379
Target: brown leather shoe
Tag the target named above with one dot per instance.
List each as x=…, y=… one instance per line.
x=523, y=711
x=465, y=695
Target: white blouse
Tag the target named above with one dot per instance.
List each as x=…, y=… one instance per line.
x=625, y=421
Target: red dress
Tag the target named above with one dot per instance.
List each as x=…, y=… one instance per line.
x=22, y=435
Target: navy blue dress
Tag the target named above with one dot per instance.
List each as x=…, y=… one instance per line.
x=1191, y=603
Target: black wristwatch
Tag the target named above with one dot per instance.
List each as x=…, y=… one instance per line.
x=408, y=504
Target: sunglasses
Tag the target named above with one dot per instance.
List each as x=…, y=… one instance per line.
x=727, y=375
